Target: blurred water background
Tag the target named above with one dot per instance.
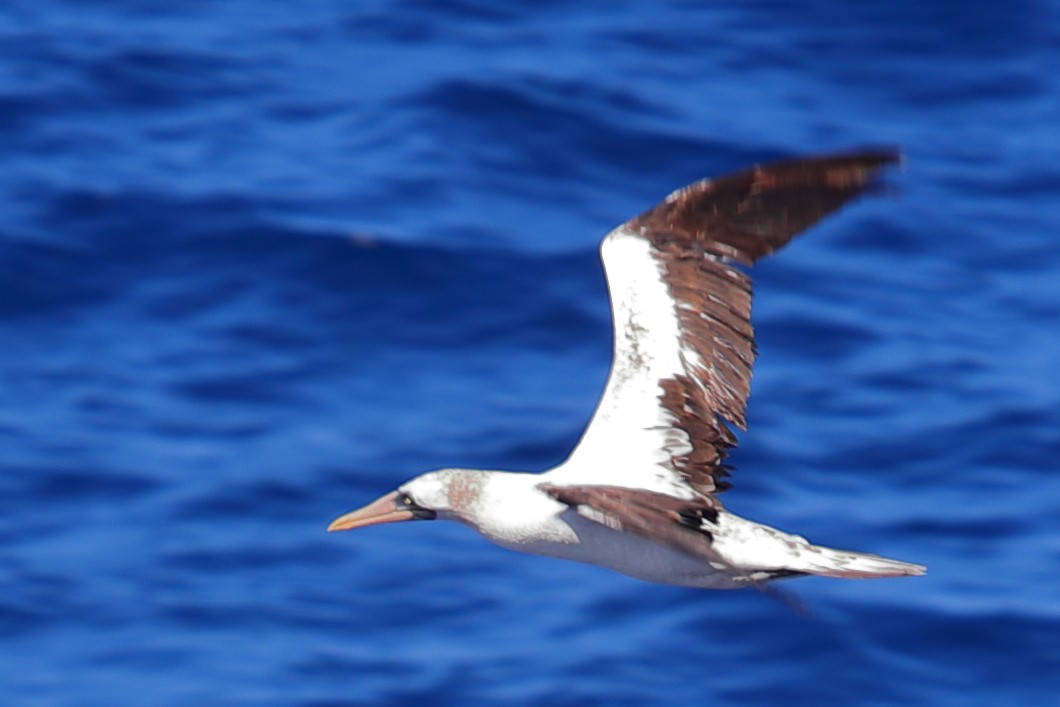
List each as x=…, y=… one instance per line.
x=261, y=261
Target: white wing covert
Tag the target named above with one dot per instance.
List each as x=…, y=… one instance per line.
x=683, y=341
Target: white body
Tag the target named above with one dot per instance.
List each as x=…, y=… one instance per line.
x=639, y=492
x=508, y=509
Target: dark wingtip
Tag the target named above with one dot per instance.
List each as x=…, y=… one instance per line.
x=854, y=168
x=749, y=214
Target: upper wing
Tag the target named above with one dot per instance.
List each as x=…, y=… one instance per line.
x=684, y=345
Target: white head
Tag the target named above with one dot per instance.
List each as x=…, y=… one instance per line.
x=445, y=494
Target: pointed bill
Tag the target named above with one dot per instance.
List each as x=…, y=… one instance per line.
x=387, y=509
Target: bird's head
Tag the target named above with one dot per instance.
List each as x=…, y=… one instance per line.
x=446, y=493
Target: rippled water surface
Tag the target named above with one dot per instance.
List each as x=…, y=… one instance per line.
x=262, y=261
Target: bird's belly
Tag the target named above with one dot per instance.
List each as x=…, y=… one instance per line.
x=628, y=554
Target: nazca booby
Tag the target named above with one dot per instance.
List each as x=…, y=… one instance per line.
x=639, y=493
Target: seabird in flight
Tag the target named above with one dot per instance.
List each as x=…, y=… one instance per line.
x=640, y=492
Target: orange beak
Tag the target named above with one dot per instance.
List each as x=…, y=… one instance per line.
x=384, y=510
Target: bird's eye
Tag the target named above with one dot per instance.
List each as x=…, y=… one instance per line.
x=417, y=512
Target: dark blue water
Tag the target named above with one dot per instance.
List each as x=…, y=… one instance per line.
x=262, y=261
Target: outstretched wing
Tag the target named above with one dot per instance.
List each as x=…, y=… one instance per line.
x=675, y=523
x=684, y=345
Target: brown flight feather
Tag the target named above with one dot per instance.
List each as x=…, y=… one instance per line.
x=658, y=517
x=696, y=234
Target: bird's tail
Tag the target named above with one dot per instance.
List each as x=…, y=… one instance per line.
x=827, y=562
x=754, y=549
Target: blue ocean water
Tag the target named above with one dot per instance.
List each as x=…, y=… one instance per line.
x=261, y=262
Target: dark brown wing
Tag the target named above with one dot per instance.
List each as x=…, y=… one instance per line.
x=684, y=345
x=659, y=517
